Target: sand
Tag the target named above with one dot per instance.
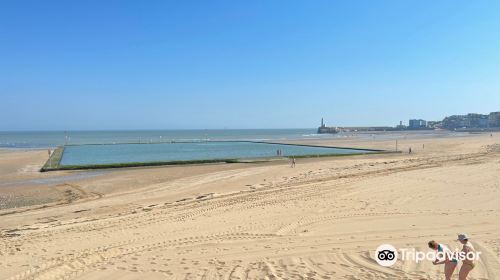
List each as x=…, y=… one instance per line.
x=320, y=220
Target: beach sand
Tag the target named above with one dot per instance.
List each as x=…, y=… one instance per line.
x=321, y=220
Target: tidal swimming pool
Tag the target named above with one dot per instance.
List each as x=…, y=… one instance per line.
x=86, y=155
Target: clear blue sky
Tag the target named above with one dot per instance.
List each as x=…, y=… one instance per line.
x=244, y=64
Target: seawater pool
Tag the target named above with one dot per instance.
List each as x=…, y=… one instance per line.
x=85, y=155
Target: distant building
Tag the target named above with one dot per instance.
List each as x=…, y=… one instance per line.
x=469, y=122
x=434, y=124
x=494, y=119
x=417, y=124
x=401, y=125
x=477, y=121
x=472, y=120
x=455, y=121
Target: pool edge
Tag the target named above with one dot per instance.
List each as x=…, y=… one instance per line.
x=193, y=162
x=54, y=160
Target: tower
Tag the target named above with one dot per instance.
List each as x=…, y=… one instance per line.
x=322, y=123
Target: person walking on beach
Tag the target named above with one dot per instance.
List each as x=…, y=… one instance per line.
x=293, y=162
x=449, y=263
x=468, y=249
x=409, y=150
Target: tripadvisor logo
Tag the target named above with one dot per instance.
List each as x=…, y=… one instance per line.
x=386, y=255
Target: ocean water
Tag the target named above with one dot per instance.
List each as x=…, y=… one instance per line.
x=45, y=139
x=186, y=151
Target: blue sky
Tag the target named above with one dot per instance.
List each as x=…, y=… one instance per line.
x=244, y=64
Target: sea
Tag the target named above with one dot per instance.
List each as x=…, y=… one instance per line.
x=51, y=139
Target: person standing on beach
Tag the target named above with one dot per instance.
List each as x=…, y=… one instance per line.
x=293, y=162
x=467, y=264
x=409, y=150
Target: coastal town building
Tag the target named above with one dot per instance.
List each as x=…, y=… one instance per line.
x=434, y=124
x=401, y=126
x=494, y=119
x=469, y=122
x=472, y=120
x=417, y=124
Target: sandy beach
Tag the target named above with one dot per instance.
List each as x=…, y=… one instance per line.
x=321, y=220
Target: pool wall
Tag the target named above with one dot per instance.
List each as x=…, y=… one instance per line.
x=53, y=163
x=316, y=146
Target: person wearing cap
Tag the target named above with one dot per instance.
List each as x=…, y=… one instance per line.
x=467, y=264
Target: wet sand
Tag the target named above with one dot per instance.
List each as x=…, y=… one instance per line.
x=320, y=220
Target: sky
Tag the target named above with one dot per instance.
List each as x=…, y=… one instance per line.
x=91, y=65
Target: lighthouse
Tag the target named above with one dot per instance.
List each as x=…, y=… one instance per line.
x=324, y=129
